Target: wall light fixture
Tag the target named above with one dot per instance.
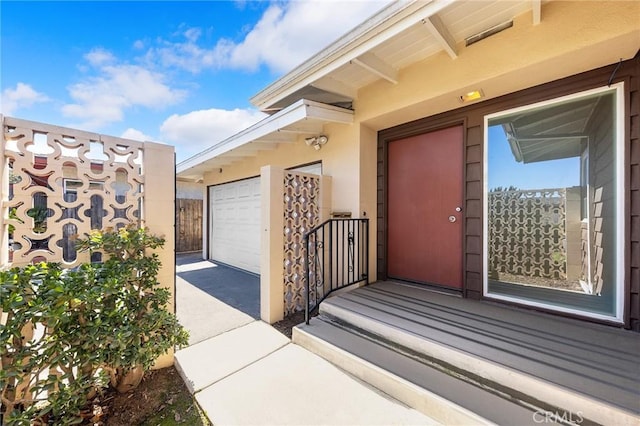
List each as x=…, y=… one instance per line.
x=317, y=141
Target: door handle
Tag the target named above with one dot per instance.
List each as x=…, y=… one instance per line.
x=452, y=218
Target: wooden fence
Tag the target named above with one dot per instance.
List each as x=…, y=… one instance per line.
x=189, y=225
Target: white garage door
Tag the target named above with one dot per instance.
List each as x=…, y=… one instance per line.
x=235, y=224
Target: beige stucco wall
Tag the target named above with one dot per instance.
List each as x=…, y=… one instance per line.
x=159, y=216
x=572, y=37
x=340, y=159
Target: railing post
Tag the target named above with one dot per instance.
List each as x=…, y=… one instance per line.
x=331, y=253
x=366, y=250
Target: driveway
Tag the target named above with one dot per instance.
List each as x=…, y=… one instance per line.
x=213, y=298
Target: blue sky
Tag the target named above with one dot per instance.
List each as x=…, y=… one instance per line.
x=505, y=171
x=179, y=72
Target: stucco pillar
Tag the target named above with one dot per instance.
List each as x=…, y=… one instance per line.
x=206, y=223
x=369, y=193
x=325, y=198
x=159, y=216
x=271, y=244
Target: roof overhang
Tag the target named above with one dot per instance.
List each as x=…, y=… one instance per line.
x=303, y=117
x=401, y=33
x=550, y=133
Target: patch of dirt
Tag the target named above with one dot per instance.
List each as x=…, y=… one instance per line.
x=161, y=399
x=542, y=282
x=286, y=325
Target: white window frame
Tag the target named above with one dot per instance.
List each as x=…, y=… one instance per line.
x=618, y=317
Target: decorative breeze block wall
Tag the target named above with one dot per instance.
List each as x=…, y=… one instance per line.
x=301, y=214
x=62, y=183
x=528, y=233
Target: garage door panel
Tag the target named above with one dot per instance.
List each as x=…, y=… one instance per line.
x=235, y=224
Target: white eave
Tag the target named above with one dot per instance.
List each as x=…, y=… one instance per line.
x=303, y=117
x=400, y=34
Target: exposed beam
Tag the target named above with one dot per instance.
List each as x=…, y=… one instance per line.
x=245, y=151
x=275, y=137
x=373, y=64
x=303, y=130
x=227, y=161
x=437, y=28
x=253, y=148
x=226, y=158
x=335, y=86
x=536, y=8
x=321, y=114
x=544, y=137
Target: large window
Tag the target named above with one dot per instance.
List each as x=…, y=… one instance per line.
x=554, y=204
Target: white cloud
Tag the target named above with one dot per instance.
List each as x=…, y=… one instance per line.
x=286, y=35
x=136, y=135
x=103, y=98
x=193, y=34
x=188, y=56
x=99, y=56
x=22, y=96
x=195, y=131
x=289, y=34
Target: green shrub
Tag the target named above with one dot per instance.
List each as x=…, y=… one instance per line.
x=38, y=379
x=94, y=325
x=134, y=300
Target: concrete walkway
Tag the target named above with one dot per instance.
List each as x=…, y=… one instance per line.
x=244, y=372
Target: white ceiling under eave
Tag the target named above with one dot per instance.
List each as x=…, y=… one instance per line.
x=303, y=117
x=401, y=34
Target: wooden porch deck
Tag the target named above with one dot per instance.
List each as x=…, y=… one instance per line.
x=577, y=366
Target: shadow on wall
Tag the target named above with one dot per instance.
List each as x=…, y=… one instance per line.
x=236, y=288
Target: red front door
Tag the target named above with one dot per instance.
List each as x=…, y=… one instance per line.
x=424, y=208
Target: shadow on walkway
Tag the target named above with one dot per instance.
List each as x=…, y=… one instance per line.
x=236, y=288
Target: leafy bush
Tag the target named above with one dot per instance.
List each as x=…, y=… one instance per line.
x=41, y=375
x=68, y=333
x=133, y=300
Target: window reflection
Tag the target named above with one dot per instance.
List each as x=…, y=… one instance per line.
x=552, y=202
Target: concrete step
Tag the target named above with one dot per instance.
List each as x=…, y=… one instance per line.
x=254, y=375
x=440, y=394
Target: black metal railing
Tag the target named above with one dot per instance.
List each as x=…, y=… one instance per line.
x=337, y=256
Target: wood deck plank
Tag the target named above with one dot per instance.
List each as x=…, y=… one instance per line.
x=591, y=359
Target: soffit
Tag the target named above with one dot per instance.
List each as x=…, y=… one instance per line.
x=399, y=35
x=304, y=117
